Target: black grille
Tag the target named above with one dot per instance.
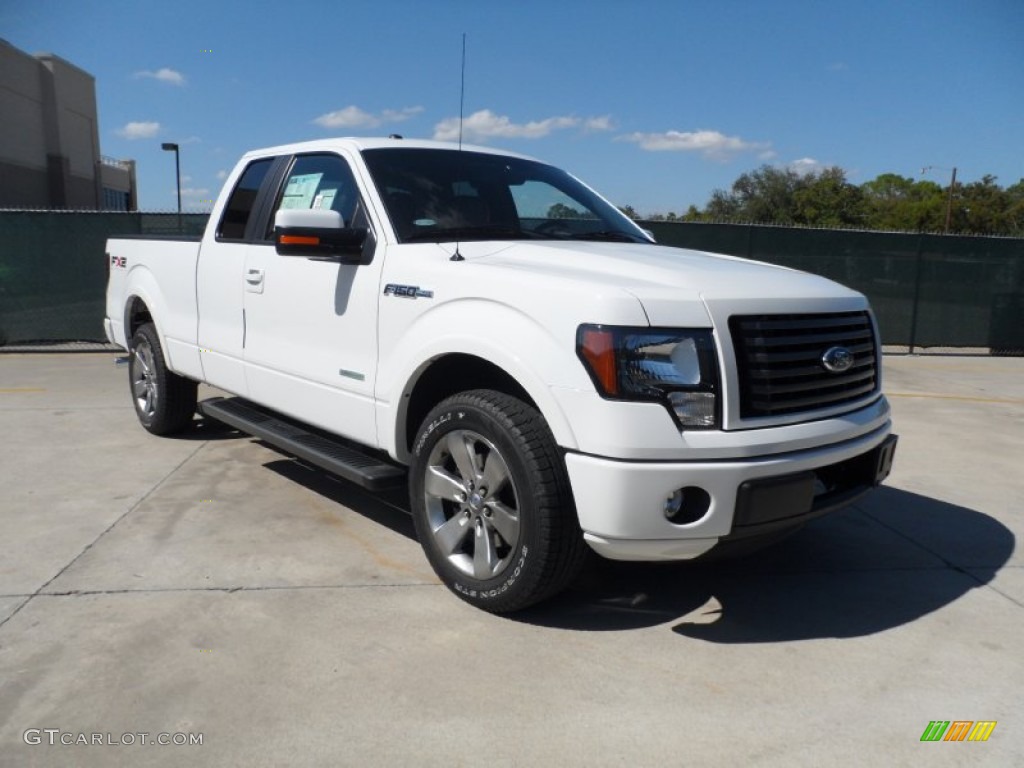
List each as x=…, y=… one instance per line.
x=779, y=358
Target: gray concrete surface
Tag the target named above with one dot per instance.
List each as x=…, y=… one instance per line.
x=209, y=585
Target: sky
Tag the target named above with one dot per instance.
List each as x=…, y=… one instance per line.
x=654, y=103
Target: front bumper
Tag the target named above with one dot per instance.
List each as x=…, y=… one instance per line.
x=621, y=504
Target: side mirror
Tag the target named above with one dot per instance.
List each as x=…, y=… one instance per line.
x=317, y=233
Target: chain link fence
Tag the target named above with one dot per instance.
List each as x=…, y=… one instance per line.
x=53, y=269
x=929, y=291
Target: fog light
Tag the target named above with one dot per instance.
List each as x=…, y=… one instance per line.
x=674, y=503
x=687, y=505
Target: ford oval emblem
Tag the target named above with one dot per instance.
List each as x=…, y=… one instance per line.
x=837, y=359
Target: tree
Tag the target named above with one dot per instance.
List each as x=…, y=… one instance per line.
x=1015, y=209
x=774, y=195
x=826, y=199
x=767, y=194
x=982, y=207
x=562, y=211
x=900, y=203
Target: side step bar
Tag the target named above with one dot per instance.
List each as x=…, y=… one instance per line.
x=327, y=452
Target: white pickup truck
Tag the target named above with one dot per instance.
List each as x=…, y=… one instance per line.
x=488, y=329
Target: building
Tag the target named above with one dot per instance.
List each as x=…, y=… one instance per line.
x=49, y=138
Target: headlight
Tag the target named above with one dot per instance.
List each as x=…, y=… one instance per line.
x=675, y=367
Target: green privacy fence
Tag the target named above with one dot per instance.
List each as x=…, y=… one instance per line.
x=927, y=290
x=53, y=270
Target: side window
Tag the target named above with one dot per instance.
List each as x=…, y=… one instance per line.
x=319, y=181
x=239, y=207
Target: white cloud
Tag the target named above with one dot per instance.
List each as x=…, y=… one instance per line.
x=164, y=75
x=222, y=174
x=354, y=117
x=195, y=198
x=140, y=130
x=805, y=166
x=484, y=125
x=712, y=144
x=598, y=124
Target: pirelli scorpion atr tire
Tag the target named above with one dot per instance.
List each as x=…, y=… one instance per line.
x=164, y=401
x=492, y=504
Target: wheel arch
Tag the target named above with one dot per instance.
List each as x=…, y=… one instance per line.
x=145, y=302
x=449, y=374
x=136, y=313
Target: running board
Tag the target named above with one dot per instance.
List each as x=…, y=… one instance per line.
x=339, y=457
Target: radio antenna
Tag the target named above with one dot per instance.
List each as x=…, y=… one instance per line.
x=462, y=101
x=462, y=89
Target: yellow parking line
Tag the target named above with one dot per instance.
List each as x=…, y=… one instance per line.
x=968, y=398
x=16, y=390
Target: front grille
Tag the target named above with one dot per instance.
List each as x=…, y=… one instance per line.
x=779, y=358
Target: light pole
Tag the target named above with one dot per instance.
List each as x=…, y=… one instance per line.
x=952, y=184
x=170, y=147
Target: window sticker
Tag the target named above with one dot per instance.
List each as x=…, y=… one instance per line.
x=325, y=199
x=300, y=190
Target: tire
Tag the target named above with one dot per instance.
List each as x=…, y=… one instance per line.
x=512, y=544
x=164, y=401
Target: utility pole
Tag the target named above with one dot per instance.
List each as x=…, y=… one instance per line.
x=171, y=147
x=949, y=200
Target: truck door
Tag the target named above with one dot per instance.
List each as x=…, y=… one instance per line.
x=220, y=282
x=311, y=323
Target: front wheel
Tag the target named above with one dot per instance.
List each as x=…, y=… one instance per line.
x=164, y=401
x=491, y=502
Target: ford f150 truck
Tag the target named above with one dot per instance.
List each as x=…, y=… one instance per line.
x=488, y=329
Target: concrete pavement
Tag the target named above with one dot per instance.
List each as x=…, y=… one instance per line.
x=210, y=586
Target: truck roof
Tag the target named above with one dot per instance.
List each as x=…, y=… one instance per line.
x=359, y=143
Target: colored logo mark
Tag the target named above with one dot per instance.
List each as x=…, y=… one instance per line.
x=958, y=730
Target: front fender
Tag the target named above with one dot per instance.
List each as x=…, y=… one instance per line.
x=533, y=355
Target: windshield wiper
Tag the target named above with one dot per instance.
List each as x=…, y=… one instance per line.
x=608, y=235
x=482, y=232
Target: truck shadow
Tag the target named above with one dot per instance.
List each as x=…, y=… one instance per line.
x=895, y=557
x=202, y=428
x=389, y=508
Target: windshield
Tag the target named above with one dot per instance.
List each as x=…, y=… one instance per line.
x=438, y=195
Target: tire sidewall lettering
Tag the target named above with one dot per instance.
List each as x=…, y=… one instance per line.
x=487, y=594
x=433, y=427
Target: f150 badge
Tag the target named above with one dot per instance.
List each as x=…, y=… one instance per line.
x=407, y=291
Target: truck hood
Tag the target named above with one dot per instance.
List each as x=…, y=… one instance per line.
x=668, y=282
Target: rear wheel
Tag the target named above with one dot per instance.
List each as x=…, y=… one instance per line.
x=164, y=401
x=492, y=504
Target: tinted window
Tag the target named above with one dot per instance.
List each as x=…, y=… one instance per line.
x=239, y=207
x=319, y=181
x=443, y=195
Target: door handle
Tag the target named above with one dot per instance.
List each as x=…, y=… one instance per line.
x=254, y=276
